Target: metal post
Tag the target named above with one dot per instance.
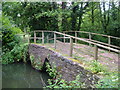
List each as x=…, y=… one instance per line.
x=96, y=52
x=42, y=37
x=54, y=40
x=71, y=47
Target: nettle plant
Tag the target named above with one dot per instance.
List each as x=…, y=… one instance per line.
x=51, y=70
x=96, y=67
x=60, y=83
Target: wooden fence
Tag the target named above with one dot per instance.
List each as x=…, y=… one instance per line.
x=90, y=38
x=96, y=44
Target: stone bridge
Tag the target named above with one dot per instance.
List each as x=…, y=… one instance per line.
x=68, y=68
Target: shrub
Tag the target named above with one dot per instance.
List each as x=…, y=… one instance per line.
x=13, y=47
x=9, y=30
x=96, y=67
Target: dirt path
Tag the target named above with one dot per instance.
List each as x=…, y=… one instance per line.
x=85, y=53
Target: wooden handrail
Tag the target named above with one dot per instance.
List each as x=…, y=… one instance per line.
x=94, y=34
x=105, y=44
x=90, y=41
x=81, y=39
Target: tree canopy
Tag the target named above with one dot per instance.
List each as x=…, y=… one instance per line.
x=100, y=17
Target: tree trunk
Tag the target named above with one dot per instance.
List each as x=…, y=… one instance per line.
x=64, y=20
x=74, y=17
x=92, y=14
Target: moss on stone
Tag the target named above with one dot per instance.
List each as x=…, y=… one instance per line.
x=74, y=60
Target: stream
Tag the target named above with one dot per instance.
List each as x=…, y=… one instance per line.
x=21, y=75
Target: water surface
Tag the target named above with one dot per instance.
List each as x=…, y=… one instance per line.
x=20, y=75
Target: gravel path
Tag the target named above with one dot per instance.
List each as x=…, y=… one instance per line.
x=85, y=53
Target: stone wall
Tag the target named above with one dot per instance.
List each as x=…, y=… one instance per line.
x=67, y=68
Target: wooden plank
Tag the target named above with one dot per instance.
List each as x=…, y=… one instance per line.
x=43, y=31
x=96, y=52
x=36, y=38
x=58, y=38
x=105, y=44
x=115, y=37
x=71, y=47
x=95, y=34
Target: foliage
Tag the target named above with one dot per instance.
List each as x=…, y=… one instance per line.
x=86, y=16
x=57, y=82
x=109, y=81
x=9, y=30
x=32, y=58
x=13, y=48
x=15, y=55
x=51, y=70
x=60, y=83
x=96, y=67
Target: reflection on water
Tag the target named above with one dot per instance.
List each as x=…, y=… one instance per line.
x=20, y=75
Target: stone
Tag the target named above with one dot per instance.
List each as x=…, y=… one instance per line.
x=67, y=68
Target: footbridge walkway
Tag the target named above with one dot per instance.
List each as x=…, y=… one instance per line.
x=72, y=45
x=66, y=38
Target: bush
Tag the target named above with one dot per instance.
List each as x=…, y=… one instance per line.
x=13, y=47
x=60, y=83
x=9, y=30
x=15, y=55
x=96, y=67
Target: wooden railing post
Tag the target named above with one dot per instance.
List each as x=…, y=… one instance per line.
x=71, y=46
x=28, y=38
x=109, y=41
x=54, y=40
x=47, y=39
x=64, y=37
x=34, y=37
x=42, y=37
x=75, y=36
x=89, y=38
x=96, y=52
